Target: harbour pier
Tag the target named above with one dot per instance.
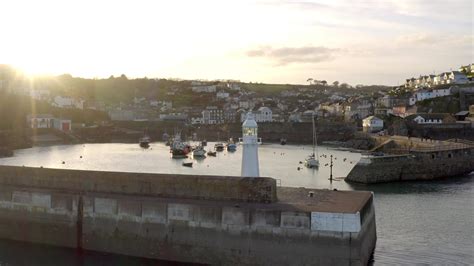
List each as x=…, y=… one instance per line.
x=214, y=220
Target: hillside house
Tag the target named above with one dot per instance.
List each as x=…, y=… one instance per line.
x=431, y=118
x=372, y=124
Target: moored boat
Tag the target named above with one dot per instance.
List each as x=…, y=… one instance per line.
x=312, y=160
x=199, y=151
x=179, y=149
x=231, y=147
x=219, y=146
x=144, y=142
x=212, y=153
x=283, y=141
x=187, y=164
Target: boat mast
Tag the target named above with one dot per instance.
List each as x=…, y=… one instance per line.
x=314, y=135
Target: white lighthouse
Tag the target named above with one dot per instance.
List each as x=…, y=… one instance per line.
x=250, y=143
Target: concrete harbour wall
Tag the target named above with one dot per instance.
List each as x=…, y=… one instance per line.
x=416, y=166
x=224, y=232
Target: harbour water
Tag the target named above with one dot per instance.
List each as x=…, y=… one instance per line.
x=417, y=223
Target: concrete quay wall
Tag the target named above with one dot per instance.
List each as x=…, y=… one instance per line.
x=187, y=231
x=242, y=231
x=416, y=166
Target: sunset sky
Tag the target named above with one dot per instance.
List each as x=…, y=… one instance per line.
x=359, y=42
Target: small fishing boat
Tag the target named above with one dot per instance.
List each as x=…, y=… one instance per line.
x=212, y=153
x=188, y=164
x=199, y=151
x=283, y=141
x=219, y=146
x=231, y=146
x=144, y=142
x=178, y=148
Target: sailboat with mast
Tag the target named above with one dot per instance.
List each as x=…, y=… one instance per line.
x=312, y=160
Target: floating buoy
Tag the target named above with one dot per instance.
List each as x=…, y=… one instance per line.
x=64, y=162
x=80, y=156
x=298, y=168
x=301, y=162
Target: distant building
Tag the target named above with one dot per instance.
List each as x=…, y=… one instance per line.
x=174, y=117
x=422, y=95
x=68, y=102
x=431, y=118
x=456, y=77
x=212, y=115
x=40, y=121
x=372, y=124
x=44, y=121
x=121, y=115
x=263, y=114
x=222, y=95
x=208, y=89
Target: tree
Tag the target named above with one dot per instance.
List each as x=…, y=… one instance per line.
x=310, y=80
x=335, y=83
x=345, y=86
x=324, y=83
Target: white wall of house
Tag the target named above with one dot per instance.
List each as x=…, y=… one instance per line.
x=68, y=102
x=264, y=114
x=372, y=124
x=222, y=95
x=422, y=120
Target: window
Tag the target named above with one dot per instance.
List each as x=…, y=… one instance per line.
x=249, y=131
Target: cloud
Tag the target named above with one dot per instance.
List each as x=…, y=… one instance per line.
x=290, y=55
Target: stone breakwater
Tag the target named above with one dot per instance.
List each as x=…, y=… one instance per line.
x=417, y=165
x=201, y=219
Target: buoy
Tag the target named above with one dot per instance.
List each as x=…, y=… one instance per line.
x=301, y=162
x=298, y=168
x=80, y=156
x=64, y=162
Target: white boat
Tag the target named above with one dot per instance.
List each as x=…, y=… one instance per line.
x=199, y=151
x=312, y=160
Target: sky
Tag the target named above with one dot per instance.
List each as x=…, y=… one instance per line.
x=279, y=41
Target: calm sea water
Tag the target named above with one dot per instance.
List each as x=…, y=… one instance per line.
x=417, y=222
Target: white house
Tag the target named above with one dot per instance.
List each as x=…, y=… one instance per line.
x=41, y=121
x=372, y=124
x=428, y=94
x=264, y=114
x=222, y=95
x=68, y=102
x=212, y=115
x=456, y=77
x=432, y=118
